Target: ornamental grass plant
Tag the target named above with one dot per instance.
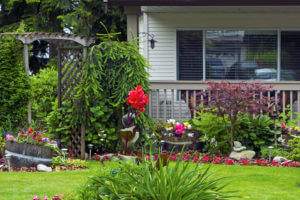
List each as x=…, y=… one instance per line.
x=151, y=181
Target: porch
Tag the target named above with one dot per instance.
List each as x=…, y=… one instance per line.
x=180, y=100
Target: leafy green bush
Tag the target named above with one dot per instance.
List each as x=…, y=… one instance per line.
x=182, y=181
x=295, y=149
x=60, y=161
x=2, y=146
x=213, y=132
x=43, y=95
x=255, y=131
x=265, y=152
x=14, y=85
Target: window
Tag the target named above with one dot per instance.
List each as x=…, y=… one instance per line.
x=241, y=55
x=190, y=55
x=290, y=55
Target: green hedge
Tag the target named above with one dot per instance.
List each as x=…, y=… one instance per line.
x=14, y=85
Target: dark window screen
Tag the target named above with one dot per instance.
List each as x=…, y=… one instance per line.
x=190, y=55
x=290, y=55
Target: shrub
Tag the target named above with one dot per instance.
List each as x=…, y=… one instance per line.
x=213, y=130
x=265, y=152
x=182, y=181
x=2, y=146
x=255, y=131
x=232, y=99
x=14, y=85
x=295, y=149
x=43, y=95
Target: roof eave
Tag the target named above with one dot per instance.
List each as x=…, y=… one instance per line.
x=205, y=2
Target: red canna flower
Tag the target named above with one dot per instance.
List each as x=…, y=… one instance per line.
x=137, y=99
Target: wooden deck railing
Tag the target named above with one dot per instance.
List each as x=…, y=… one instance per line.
x=180, y=99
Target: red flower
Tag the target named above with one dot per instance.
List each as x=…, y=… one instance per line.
x=244, y=162
x=229, y=161
x=283, y=125
x=137, y=99
x=196, y=158
x=30, y=130
x=205, y=158
x=261, y=162
x=155, y=157
x=173, y=157
x=275, y=164
x=186, y=157
x=217, y=160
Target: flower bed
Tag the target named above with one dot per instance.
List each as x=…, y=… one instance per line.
x=205, y=158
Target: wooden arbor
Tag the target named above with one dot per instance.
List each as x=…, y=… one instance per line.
x=71, y=51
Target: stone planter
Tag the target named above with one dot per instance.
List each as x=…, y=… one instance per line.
x=28, y=155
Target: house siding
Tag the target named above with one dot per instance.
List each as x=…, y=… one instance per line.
x=164, y=24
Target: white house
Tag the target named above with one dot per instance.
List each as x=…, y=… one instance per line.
x=189, y=42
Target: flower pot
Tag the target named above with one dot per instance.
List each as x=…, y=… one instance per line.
x=28, y=155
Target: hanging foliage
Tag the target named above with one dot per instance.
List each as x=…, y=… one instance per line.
x=111, y=70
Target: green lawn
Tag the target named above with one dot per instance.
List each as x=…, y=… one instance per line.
x=254, y=183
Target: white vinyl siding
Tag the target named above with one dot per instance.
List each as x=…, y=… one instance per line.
x=164, y=25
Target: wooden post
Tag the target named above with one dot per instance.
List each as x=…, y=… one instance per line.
x=26, y=64
x=132, y=13
x=83, y=124
x=59, y=65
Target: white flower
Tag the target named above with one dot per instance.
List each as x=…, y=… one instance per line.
x=190, y=135
x=171, y=121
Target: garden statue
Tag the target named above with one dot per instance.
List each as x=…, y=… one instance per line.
x=137, y=101
x=240, y=152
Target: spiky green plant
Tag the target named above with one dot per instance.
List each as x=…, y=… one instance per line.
x=146, y=181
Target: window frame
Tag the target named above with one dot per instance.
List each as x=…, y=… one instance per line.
x=204, y=30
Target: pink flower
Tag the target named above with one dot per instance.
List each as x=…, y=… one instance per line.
x=196, y=158
x=9, y=137
x=155, y=157
x=179, y=129
x=173, y=157
x=45, y=197
x=283, y=125
x=186, y=157
x=36, y=197
x=205, y=158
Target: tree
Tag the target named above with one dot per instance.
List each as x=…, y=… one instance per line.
x=82, y=17
x=232, y=99
x=14, y=86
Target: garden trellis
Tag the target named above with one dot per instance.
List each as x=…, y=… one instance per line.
x=71, y=51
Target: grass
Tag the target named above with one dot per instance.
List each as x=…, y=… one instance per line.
x=251, y=182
